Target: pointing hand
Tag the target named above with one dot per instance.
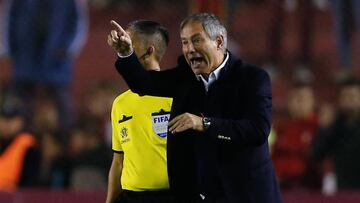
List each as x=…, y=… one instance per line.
x=119, y=40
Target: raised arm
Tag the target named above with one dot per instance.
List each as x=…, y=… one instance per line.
x=120, y=40
x=156, y=83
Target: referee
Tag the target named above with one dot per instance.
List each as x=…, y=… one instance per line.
x=138, y=171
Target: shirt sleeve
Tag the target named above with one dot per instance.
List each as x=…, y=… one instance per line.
x=116, y=144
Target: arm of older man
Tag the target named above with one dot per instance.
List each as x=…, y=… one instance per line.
x=120, y=40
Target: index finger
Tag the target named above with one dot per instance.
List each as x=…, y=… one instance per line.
x=117, y=26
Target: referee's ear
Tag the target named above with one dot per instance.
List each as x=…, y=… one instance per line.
x=151, y=50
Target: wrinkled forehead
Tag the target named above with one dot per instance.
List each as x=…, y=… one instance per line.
x=192, y=28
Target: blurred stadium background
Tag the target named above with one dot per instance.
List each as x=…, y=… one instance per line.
x=294, y=40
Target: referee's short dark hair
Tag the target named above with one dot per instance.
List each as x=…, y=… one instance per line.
x=154, y=32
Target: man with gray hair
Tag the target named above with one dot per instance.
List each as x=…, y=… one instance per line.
x=220, y=118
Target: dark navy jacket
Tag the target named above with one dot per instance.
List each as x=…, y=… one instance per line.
x=231, y=158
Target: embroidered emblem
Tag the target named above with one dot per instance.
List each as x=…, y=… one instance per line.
x=124, y=132
x=160, y=123
x=124, y=135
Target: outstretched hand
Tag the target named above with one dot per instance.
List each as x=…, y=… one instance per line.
x=184, y=122
x=119, y=40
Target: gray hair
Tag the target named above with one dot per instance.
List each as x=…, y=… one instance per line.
x=211, y=24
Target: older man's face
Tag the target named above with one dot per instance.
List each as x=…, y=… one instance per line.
x=202, y=53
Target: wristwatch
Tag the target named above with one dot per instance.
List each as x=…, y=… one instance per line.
x=206, y=122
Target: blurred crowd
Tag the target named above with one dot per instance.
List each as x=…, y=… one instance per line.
x=47, y=140
x=36, y=152
x=316, y=145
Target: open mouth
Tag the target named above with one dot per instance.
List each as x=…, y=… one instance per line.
x=194, y=61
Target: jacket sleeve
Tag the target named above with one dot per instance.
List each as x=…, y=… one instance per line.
x=156, y=83
x=253, y=127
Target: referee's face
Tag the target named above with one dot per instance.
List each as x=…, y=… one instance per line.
x=201, y=53
x=138, y=47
